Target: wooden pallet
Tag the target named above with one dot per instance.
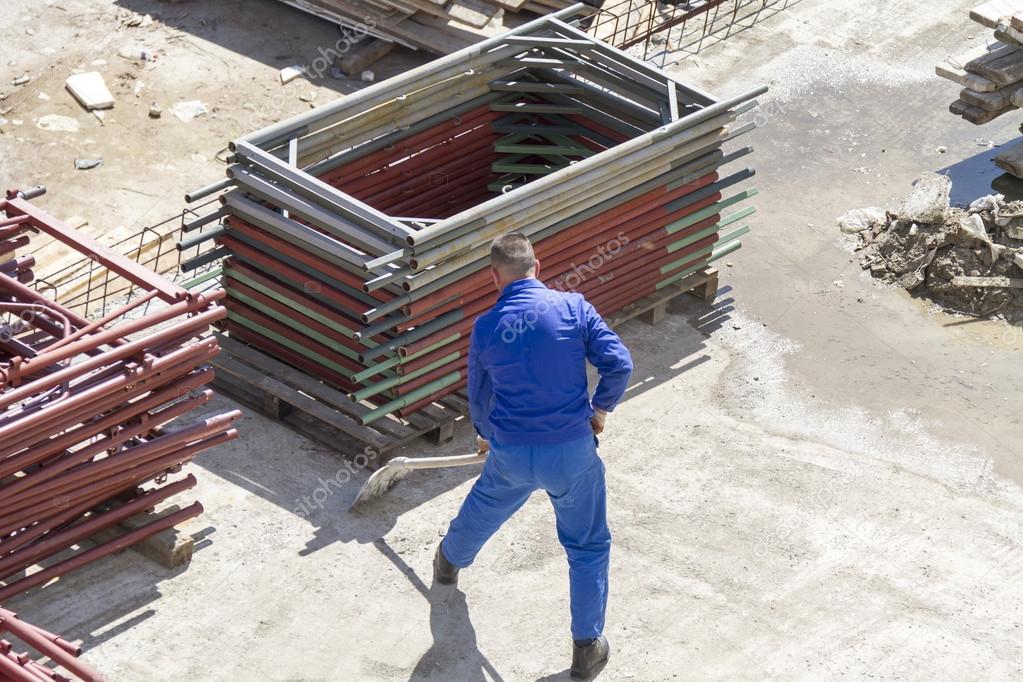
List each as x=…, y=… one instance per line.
x=171, y=547
x=328, y=416
x=653, y=308
x=322, y=413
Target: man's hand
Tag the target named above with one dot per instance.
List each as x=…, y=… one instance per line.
x=482, y=445
x=597, y=421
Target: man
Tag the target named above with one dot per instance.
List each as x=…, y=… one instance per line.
x=530, y=403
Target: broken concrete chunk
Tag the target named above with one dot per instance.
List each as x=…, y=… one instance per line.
x=86, y=164
x=368, y=76
x=860, y=219
x=290, y=73
x=90, y=90
x=155, y=111
x=188, y=111
x=929, y=202
x=22, y=79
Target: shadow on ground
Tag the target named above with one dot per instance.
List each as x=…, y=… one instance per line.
x=978, y=176
x=267, y=31
x=702, y=31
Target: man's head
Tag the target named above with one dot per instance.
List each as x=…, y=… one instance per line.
x=512, y=258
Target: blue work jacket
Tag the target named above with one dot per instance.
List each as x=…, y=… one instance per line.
x=527, y=366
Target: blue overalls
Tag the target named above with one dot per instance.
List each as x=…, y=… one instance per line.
x=528, y=396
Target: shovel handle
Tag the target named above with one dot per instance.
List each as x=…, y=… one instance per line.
x=442, y=462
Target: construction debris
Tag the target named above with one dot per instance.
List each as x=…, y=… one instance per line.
x=87, y=164
x=290, y=73
x=359, y=232
x=969, y=261
x=189, y=111
x=50, y=649
x=90, y=90
x=85, y=404
x=57, y=123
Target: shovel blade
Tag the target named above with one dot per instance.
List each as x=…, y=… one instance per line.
x=382, y=480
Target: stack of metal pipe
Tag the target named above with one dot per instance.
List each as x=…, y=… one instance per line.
x=55, y=658
x=85, y=405
x=358, y=234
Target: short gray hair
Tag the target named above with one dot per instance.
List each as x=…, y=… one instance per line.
x=512, y=254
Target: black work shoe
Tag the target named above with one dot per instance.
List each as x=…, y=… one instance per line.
x=587, y=661
x=444, y=572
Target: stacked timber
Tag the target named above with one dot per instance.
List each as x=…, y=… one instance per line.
x=52, y=658
x=992, y=76
x=359, y=233
x=436, y=26
x=85, y=406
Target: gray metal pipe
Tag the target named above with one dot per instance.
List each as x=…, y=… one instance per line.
x=440, y=232
x=326, y=196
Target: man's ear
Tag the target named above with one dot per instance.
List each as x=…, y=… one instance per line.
x=496, y=277
x=536, y=268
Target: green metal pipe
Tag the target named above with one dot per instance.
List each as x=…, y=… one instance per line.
x=378, y=388
x=411, y=398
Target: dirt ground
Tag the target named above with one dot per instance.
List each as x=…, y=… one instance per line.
x=816, y=479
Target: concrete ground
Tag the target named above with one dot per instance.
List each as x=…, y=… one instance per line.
x=809, y=481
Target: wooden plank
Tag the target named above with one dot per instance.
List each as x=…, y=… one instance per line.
x=998, y=100
x=988, y=282
x=975, y=115
x=954, y=71
x=1003, y=66
x=255, y=378
x=363, y=55
x=170, y=547
x=990, y=12
x=1011, y=160
x=473, y=12
x=300, y=400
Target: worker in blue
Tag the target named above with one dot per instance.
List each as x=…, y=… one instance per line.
x=529, y=401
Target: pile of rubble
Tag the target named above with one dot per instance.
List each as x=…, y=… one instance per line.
x=968, y=260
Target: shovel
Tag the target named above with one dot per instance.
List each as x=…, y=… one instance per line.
x=384, y=478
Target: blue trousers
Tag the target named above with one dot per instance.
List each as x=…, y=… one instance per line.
x=572, y=474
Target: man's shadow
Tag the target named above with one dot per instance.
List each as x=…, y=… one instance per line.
x=454, y=654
